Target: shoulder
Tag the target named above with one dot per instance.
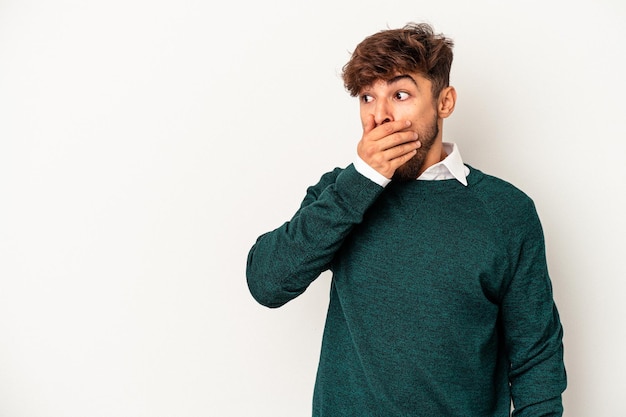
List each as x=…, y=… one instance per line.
x=496, y=189
x=508, y=204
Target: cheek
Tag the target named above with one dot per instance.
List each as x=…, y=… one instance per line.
x=423, y=115
x=367, y=118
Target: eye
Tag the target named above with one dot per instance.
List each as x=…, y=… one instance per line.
x=401, y=95
x=366, y=98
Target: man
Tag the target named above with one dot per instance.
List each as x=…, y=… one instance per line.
x=441, y=303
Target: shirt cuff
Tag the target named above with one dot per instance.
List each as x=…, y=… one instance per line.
x=369, y=172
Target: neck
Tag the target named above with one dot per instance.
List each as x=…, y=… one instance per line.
x=435, y=154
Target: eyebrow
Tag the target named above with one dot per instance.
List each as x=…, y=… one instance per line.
x=401, y=77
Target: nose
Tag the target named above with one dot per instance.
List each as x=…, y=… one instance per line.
x=382, y=112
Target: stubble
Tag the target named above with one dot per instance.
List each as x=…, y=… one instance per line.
x=411, y=169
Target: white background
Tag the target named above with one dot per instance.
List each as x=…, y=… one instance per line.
x=144, y=145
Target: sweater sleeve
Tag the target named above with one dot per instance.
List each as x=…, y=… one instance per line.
x=282, y=263
x=533, y=331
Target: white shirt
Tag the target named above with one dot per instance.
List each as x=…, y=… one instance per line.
x=451, y=167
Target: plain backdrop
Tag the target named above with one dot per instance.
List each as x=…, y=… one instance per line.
x=145, y=145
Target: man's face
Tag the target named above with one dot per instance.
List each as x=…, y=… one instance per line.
x=404, y=97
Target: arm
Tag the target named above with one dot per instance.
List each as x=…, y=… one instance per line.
x=283, y=263
x=533, y=331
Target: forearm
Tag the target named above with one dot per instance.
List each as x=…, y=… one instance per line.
x=552, y=407
x=537, y=386
x=283, y=263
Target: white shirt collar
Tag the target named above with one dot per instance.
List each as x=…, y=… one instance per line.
x=451, y=167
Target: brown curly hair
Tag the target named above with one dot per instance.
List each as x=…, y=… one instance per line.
x=413, y=49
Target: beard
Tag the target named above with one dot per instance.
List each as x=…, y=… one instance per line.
x=411, y=169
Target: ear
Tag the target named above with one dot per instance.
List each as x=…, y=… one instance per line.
x=447, y=101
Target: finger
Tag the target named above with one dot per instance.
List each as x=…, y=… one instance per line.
x=377, y=150
x=402, y=159
x=396, y=139
x=389, y=128
x=402, y=150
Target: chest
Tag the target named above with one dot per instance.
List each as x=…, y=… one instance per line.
x=442, y=249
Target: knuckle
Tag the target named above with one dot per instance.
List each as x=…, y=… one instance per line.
x=401, y=137
x=387, y=128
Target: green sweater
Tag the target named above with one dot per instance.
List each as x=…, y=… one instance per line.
x=440, y=302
